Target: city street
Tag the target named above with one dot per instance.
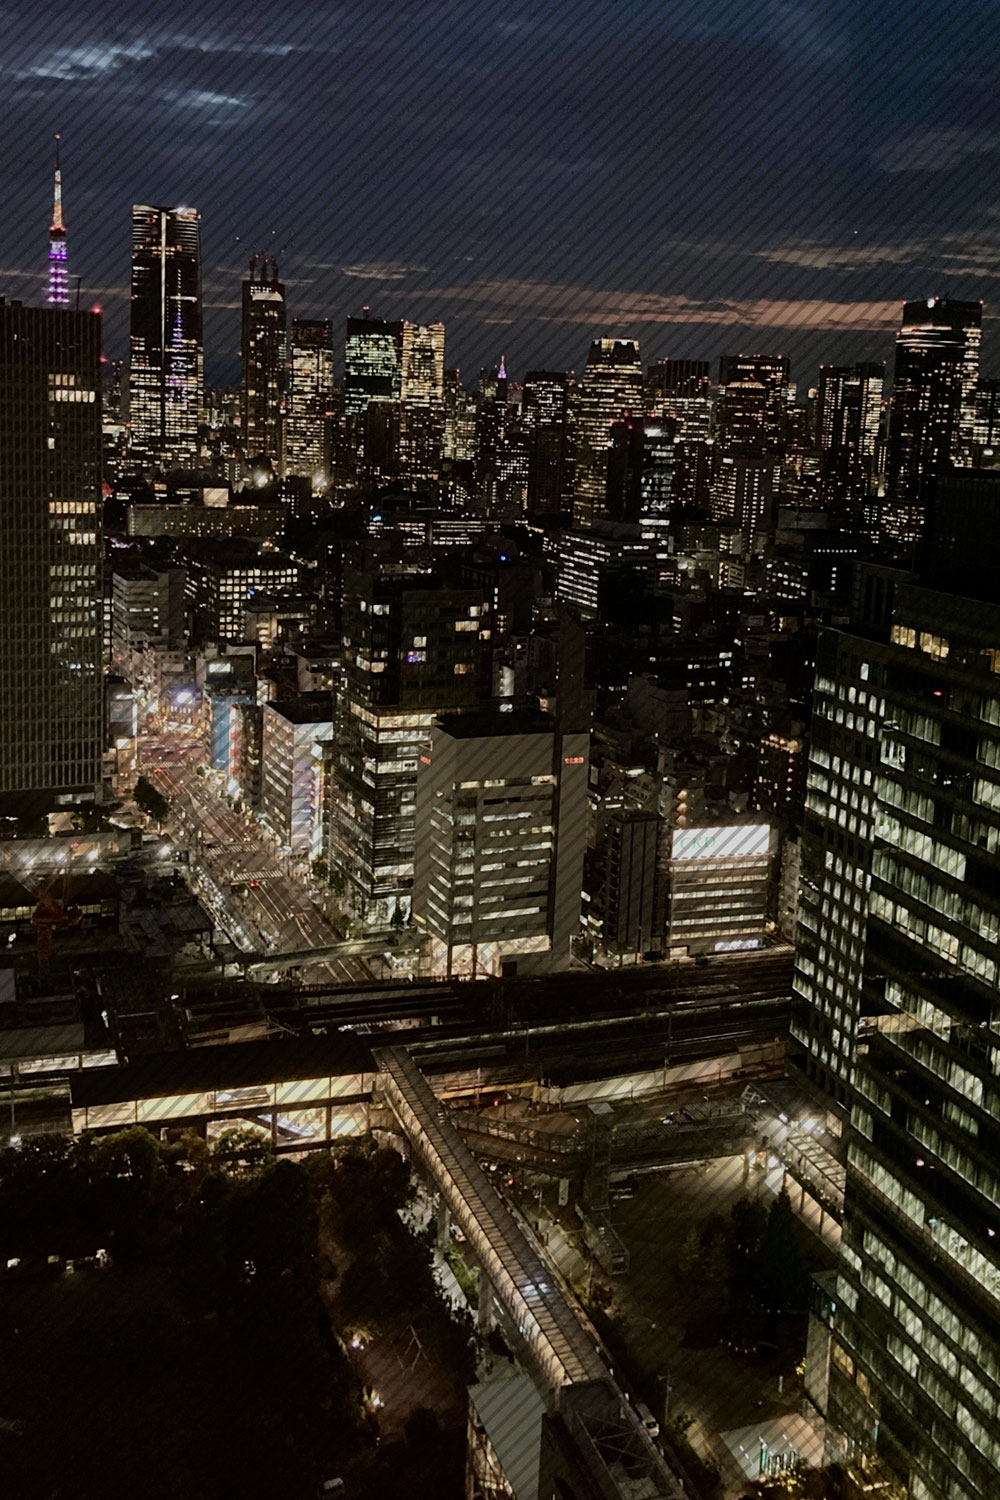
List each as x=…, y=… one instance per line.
x=251, y=888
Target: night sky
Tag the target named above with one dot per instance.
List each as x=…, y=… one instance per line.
x=773, y=176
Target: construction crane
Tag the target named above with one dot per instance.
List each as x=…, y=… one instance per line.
x=53, y=911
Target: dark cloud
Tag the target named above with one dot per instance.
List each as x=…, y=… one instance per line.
x=692, y=173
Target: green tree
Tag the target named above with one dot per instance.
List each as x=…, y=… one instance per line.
x=242, y=1151
x=713, y=1268
x=749, y=1223
x=150, y=800
x=781, y=1280
x=41, y=1201
x=688, y=1257
x=133, y=1198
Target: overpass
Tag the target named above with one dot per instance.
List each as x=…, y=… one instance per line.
x=565, y=1359
x=296, y=958
x=724, y=1131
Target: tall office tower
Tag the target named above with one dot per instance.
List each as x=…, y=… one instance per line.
x=747, y=419
x=422, y=364
x=848, y=413
x=51, y=608
x=678, y=379
x=167, y=369
x=547, y=417
x=421, y=392
x=610, y=386
x=933, y=409
x=501, y=831
x=986, y=429
x=310, y=400
x=262, y=356
x=640, y=471
x=682, y=390
x=57, y=294
x=897, y=999
x=743, y=491
x=494, y=418
x=415, y=645
x=373, y=356
x=459, y=419
x=772, y=371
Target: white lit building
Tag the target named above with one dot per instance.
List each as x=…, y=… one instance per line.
x=718, y=887
x=310, y=400
x=292, y=759
x=501, y=829
x=583, y=557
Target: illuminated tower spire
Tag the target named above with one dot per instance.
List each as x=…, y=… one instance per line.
x=58, y=288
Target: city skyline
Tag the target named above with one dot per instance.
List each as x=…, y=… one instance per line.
x=797, y=215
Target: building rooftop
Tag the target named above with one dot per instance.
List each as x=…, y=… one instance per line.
x=235, y=552
x=160, y=1075
x=491, y=723
x=309, y=708
x=511, y=1414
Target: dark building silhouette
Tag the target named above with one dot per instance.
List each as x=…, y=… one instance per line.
x=262, y=354
x=51, y=614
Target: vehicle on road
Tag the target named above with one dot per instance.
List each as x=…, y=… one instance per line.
x=647, y=1419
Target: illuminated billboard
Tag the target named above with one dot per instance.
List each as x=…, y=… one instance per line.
x=739, y=841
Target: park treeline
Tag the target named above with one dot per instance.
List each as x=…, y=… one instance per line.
x=282, y=1259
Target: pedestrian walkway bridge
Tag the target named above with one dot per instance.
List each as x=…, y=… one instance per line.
x=522, y=1283
x=566, y=1358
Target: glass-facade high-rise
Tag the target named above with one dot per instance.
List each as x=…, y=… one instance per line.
x=415, y=645
x=611, y=385
x=849, y=409
x=310, y=400
x=897, y=1000
x=262, y=354
x=167, y=364
x=372, y=363
x=932, y=419
x=547, y=415
x=51, y=617
x=421, y=415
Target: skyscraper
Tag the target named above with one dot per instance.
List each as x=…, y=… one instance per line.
x=310, y=399
x=373, y=357
x=640, y=471
x=422, y=364
x=495, y=417
x=459, y=419
x=372, y=363
x=51, y=620
x=681, y=389
x=546, y=411
x=849, y=410
x=57, y=294
x=262, y=354
x=167, y=372
x=772, y=370
x=753, y=402
x=415, y=644
x=932, y=418
x=421, y=417
x=897, y=1008
x=610, y=386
